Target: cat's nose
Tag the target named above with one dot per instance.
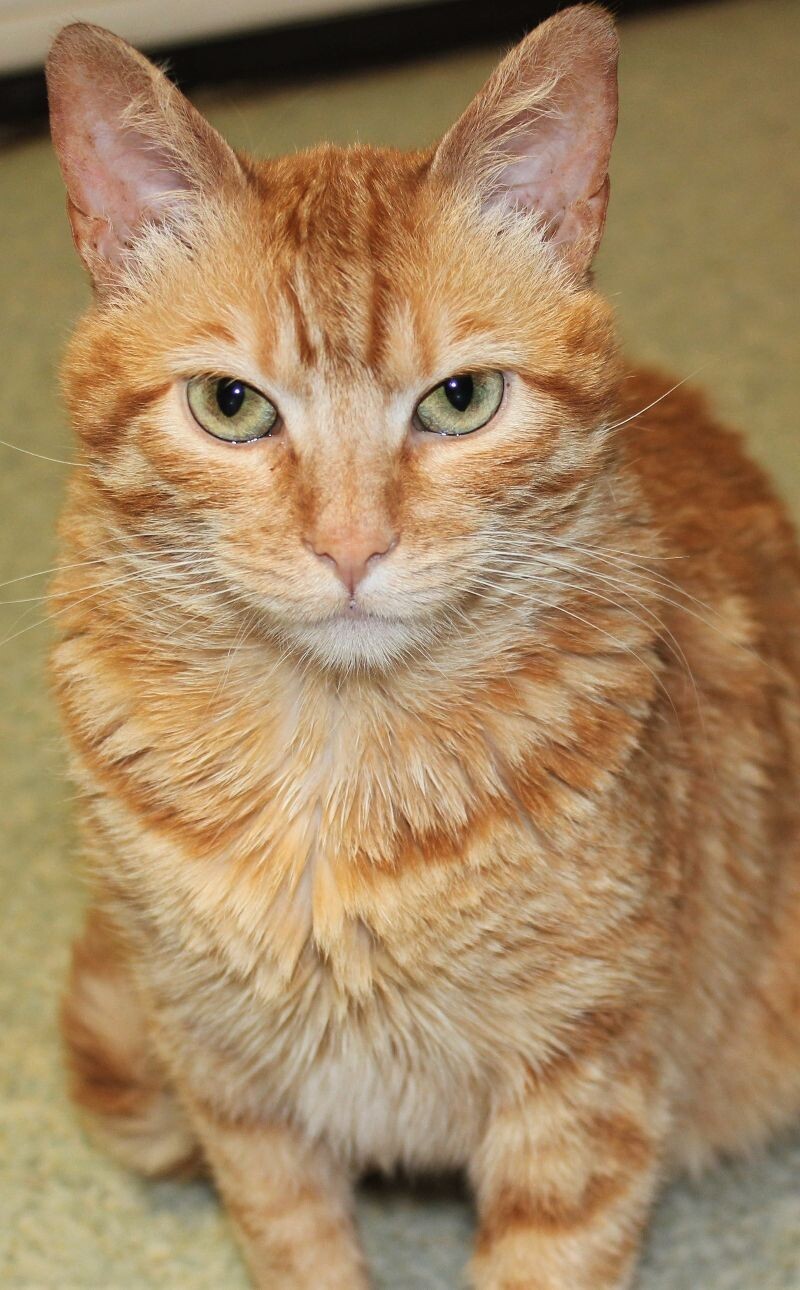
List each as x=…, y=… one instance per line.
x=352, y=553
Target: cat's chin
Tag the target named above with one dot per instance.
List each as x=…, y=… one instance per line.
x=358, y=641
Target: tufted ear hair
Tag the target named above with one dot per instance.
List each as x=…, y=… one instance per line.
x=538, y=135
x=132, y=150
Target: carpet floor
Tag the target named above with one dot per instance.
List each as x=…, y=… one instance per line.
x=701, y=261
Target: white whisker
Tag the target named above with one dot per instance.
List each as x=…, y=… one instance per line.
x=616, y=425
x=58, y=461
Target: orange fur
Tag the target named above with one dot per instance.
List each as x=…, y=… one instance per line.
x=505, y=874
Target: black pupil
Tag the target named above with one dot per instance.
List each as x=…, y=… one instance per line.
x=230, y=397
x=459, y=391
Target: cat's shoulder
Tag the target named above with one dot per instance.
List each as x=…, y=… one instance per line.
x=681, y=449
x=710, y=503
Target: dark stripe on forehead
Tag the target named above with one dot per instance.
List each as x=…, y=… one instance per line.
x=378, y=217
x=213, y=331
x=337, y=225
x=300, y=205
x=299, y=212
x=305, y=348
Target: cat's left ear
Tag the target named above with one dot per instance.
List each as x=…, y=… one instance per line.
x=538, y=136
x=132, y=150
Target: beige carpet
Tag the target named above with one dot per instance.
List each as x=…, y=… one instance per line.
x=701, y=258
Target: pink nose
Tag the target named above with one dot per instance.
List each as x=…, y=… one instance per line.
x=352, y=553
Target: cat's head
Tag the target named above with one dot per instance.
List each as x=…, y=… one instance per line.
x=358, y=386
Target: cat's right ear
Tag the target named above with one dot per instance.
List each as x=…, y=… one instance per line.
x=538, y=137
x=132, y=150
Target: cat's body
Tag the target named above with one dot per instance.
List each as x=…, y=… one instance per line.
x=507, y=879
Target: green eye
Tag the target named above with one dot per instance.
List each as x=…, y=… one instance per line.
x=462, y=404
x=229, y=409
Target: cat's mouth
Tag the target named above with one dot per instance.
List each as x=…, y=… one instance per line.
x=353, y=635
x=353, y=612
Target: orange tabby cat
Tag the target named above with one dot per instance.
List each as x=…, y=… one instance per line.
x=434, y=707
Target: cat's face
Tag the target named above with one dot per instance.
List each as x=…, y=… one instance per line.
x=359, y=392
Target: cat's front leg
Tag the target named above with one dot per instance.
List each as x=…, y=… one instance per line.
x=289, y=1202
x=565, y=1177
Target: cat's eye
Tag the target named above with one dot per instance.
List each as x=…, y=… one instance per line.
x=230, y=409
x=462, y=403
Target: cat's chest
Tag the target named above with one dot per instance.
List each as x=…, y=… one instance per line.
x=372, y=831
x=346, y=912
x=287, y=816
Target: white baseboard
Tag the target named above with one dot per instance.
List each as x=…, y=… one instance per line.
x=28, y=26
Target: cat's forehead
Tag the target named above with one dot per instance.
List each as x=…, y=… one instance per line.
x=341, y=228
x=351, y=267
x=357, y=194
x=361, y=265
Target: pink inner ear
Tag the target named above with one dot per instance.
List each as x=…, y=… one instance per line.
x=559, y=160
x=559, y=163
x=127, y=176
x=119, y=178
